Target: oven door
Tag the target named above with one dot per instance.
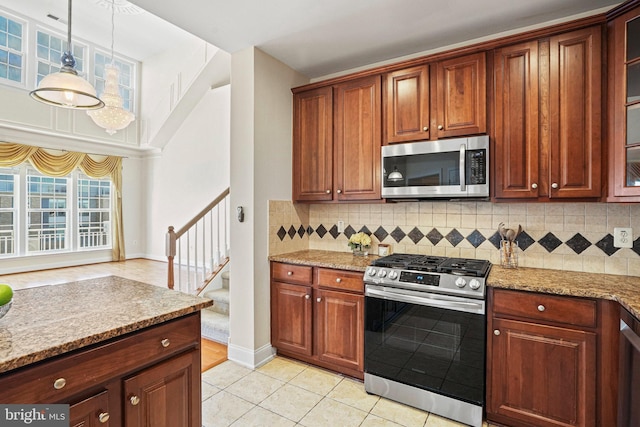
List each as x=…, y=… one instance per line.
x=432, y=342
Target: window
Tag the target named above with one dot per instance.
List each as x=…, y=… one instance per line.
x=40, y=214
x=125, y=85
x=11, y=50
x=94, y=212
x=47, y=219
x=49, y=51
x=8, y=178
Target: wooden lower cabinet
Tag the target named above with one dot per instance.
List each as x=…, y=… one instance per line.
x=550, y=360
x=321, y=322
x=149, y=378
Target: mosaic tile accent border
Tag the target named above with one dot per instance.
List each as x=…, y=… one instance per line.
x=550, y=242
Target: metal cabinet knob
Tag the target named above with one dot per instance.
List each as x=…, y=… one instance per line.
x=534, y=185
x=289, y=273
x=328, y=191
x=307, y=297
x=319, y=299
x=554, y=185
x=103, y=417
x=541, y=307
x=134, y=400
x=59, y=383
x=426, y=128
x=496, y=332
x=338, y=280
x=440, y=127
x=165, y=342
x=339, y=191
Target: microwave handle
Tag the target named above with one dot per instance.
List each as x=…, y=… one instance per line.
x=463, y=155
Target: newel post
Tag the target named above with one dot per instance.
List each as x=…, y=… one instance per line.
x=170, y=250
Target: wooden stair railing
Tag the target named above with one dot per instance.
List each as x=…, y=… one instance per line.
x=200, y=249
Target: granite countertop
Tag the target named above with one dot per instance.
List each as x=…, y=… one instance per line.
x=623, y=289
x=46, y=321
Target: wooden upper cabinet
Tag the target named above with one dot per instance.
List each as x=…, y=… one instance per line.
x=407, y=105
x=624, y=103
x=438, y=100
x=313, y=145
x=461, y=92
x=575, y=109
x=516, y=121
x=357, y=139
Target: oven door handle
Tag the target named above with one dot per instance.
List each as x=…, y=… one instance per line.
x=628, y=333
x=439, y=301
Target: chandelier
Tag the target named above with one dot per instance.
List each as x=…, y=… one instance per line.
x=66, y=88
x=112, y=117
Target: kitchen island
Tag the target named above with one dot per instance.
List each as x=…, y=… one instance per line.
x=109, y=347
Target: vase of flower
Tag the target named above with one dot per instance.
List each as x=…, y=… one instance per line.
x=359, y=244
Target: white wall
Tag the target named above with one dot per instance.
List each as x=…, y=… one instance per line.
x=191, y=171
x=261, y=132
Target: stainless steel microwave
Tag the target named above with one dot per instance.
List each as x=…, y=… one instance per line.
x=449, y=168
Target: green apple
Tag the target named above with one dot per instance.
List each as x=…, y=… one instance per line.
x=6, y=293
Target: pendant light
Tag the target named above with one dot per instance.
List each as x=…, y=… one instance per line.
x=112, y=117
x=396, y=175
x=66, y=88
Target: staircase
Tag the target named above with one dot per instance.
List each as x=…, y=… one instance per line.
x=215, y=319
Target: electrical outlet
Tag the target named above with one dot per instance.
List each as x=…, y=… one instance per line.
x=622, y=237
x=340, y=226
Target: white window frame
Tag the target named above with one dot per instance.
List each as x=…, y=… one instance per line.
x=98, y=235
x=72, y=239
x=14, y=210
x=24, y=53
x=56, y=63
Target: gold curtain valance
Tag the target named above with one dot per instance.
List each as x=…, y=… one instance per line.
x=59, y=165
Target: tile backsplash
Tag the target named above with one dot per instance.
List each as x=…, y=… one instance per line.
x=562, y=236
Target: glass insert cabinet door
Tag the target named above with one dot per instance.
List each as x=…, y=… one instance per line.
x=632, y=102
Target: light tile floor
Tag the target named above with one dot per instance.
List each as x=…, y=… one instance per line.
x=285, y=392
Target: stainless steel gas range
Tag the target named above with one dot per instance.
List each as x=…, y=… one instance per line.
x=425, y=325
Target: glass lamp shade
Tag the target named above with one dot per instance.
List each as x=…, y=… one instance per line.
x=68, y=90
x=112, y=117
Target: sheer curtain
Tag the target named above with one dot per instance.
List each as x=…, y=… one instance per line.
x=49, y=162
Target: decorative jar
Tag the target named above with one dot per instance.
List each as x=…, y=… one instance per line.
x=508, y=254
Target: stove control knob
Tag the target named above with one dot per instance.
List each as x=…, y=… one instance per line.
x=460, y=282
x=393, y=275
x=474, y=284
x=382, y=273
x=372, y=272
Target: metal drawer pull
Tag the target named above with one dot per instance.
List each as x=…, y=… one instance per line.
x=103, y=417
x=59, y=383
x=338, y=280
x=289, y=273
x=496, y=332
x=319, y=299
x=307, y=297
x=165, y=342
x=541, y=307
x=134, y=400
x=426, y=128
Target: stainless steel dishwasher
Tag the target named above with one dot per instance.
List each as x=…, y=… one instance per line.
x=629, y=372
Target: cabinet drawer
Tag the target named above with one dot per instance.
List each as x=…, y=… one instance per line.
x=292, y=273
x=568, y=310
x=340, y=279
x=81, y=370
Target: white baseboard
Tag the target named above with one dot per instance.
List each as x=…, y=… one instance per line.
x=248, y=358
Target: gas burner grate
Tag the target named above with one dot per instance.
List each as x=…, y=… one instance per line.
x=464, y=266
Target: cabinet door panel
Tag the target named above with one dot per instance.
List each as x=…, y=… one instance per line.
x=461, y=91
x=516, y=131
x=543, y=375
x=358, y=139
x=313, y=145
x=291, y=317
x=340, y=328
x=168, y=394
x=407, y=105
x=575, y=114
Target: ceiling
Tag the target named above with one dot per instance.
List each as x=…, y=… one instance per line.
x=314, y=37
x=322, y=37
